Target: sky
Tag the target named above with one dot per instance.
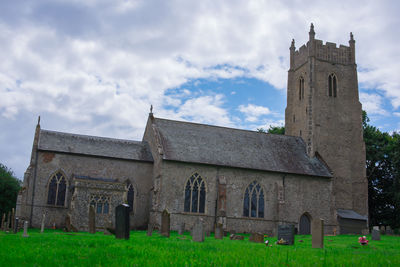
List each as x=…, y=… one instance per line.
x=95, y=67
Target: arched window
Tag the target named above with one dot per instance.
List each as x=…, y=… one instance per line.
x=253, y=203
x=195, y=194
x=131, y=197
x=332, y=85
x=57, y=190
x=101, y=203
x=301, y=88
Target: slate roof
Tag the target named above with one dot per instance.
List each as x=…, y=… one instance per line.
x=94, y=146
x=350, y=214
x=199, y=143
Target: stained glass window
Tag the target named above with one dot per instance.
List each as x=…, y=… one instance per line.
x=253, y=202
x=57, y=190
x=195, y=194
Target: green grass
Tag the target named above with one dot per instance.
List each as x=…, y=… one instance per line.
x=56, y=248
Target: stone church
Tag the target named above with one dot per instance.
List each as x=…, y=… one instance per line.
x=245, y=180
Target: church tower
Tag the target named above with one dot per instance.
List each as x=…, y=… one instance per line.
x=323, y=108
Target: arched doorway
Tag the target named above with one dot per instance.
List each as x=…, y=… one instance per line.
x=305, y=224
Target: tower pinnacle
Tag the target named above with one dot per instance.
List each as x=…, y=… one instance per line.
x=312, y=32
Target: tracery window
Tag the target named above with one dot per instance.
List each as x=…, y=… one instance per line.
x=332, y=85
x=101, y=203
x=253, y=203
x=57, y=190
x=195, y=194
x=301, y=88
x=131, y=197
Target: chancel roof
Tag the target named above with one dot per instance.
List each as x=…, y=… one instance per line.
x=206, y=144
x=94, y=146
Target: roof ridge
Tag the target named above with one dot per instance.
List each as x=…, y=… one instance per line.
x=225, y=127
x=92, y=136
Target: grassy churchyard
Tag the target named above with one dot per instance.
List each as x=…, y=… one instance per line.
x=56, y=248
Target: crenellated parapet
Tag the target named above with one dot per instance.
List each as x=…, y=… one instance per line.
x=329, y=52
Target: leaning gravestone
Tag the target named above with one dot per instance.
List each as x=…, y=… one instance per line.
x=42, y=225
x=286, y=234
x=219, y=231
x=25, y=229
x=122, y=221
x=149, y=229
x=317, y=232
x=198, y=231
x=256, y=238
x=8, y=221
x=389, y=230
x=181, y=229
x=16, y=226
x=68, y=227
x=12, y=218
x=92, y=220
x=3, y=218
x=165, y=222
x=236, y=237
x=376, y=234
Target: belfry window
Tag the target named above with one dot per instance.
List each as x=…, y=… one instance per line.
x=253, y=203
x=301, y=88
x=101, y=203
x=131, y=197
x=332, y=85
x=195, y=194
x=57, y=190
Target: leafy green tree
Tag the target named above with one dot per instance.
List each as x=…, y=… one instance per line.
x=273, y=130
x=9, y=187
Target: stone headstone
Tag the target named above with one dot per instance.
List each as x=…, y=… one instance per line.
x=12, y=218
x=25, y=229
x=150, y=229
x=382, y=230
x=3, y=219
x=181, y=228
x=198, y=231
x=389, y=230
x=68, y=227
x=165, y=222
x=42, y=225
x=16, y=225
x=317, y=232
x=219, y=231
x=122, y=221
x=92, y=220
x=256, y=238
x=236, y=237
x=375, y=234
x=376, y=228
x=286, y=234
x=8, y=221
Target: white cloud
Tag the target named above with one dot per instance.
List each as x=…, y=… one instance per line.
x=372, y=104
x=397, y=114
x=253, y=112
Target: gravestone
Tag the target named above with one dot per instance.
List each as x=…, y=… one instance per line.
x=16, y=226
x=236, y=237
x=165, y=222
x=3, y=218
x=219, y=231
x=317, y=232
x=389, y=230
x=181, y=229
x=92, y=220
x=12, y=218
x=122, y=221
x=375, y=234
x=382, y=230
x=68, y=227
x=42, y=225
x=8, y=221
x=25, y=229
x=286, y=234
x=256, y=238
x=198, y=231
x=149, y=229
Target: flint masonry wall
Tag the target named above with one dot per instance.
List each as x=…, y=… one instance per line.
x=138, y=173
x=301, y=193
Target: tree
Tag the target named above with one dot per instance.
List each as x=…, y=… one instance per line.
x=9, y=187
x=273, y=130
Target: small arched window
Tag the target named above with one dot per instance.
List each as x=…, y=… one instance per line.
x=253, y=203
x=195, y=194
x=57, y=190
x=332, y=85
x=301, y=88
x=131, y=197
